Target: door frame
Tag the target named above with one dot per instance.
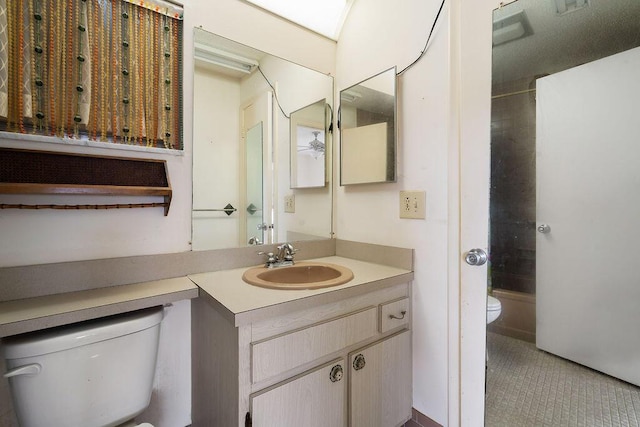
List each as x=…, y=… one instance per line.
x=468, y=206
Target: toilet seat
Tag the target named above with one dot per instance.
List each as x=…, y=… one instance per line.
x=493, y=304
x=494, y=308
x=133, y=424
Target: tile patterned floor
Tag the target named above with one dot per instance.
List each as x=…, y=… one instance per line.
x=527, y=387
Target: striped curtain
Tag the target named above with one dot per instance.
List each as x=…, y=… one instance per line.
x=106, y=70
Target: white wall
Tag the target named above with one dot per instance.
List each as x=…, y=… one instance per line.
x=45, y=236
x=378, y=35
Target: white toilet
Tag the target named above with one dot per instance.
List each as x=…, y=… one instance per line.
x=493, y=308
x=97, y=373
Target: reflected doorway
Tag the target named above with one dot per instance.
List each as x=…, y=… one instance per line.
x=254, y=225
x=257, y=213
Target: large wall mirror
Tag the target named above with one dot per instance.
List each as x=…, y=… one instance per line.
x=368, y=130
x=564, y=185
x=242, y=166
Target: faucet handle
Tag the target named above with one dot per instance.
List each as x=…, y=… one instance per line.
x=286, y=251
x=271, y=258
x=290, y=253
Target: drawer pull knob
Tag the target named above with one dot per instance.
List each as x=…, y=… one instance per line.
x=336, y=373
x=403, y=312
x=359, y=362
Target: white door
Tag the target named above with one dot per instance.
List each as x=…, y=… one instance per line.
x=469, y=205
x=588, y=181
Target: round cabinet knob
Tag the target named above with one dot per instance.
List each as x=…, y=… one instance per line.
x=476, y=257
x=544, y=229
x=359, y=362
x=336, y=373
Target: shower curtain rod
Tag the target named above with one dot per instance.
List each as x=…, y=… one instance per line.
x=520, y=92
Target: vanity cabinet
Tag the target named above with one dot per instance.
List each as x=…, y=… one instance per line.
x=344, y=363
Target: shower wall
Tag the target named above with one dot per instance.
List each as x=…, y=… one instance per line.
x=513, y=189
x=513, y=207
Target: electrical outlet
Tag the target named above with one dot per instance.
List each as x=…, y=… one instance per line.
x=290, y=203
x=413, y=204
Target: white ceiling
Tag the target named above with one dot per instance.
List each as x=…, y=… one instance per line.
x=324, y=17
x=558, y=42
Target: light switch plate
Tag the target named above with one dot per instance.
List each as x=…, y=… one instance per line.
x=413, y=204
x=290, y=203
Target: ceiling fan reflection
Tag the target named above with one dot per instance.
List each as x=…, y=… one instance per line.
x=316, y=145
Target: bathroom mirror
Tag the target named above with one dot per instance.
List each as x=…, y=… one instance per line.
x=242, y=104
x=308, y=146
x=368, y=130
x=564, y=161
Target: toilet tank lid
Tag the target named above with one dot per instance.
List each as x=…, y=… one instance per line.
x=78, y=334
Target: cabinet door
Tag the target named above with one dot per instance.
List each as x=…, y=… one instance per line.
x=314, y=399
x=380, y=379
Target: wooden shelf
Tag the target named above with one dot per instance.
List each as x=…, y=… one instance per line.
x=54, y=173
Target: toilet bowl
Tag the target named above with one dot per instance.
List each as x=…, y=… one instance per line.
x=94, y=373
x=493, y=308
x=134, y=424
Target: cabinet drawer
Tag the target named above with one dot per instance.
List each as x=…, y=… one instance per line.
x=277, y=355
x=391, y=314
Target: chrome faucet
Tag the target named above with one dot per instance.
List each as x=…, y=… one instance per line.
x=282, y=258
x=285, y=252
x=254, y=241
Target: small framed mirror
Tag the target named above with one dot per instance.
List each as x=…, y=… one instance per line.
x=368, y=130
x=308, y=146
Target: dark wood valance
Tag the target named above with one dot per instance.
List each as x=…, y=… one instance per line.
x=45, y=172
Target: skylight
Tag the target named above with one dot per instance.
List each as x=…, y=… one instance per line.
x=322, y=16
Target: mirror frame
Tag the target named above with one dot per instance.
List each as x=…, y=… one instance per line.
x=391, y=137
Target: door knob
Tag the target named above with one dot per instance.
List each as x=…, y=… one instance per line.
x=476, y=257
x=544, y=229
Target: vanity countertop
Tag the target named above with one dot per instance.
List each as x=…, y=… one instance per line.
x=238, y=301
x=30, y=314
x=242, y=303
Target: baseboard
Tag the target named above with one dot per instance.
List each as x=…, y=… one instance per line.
x=418, y=419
